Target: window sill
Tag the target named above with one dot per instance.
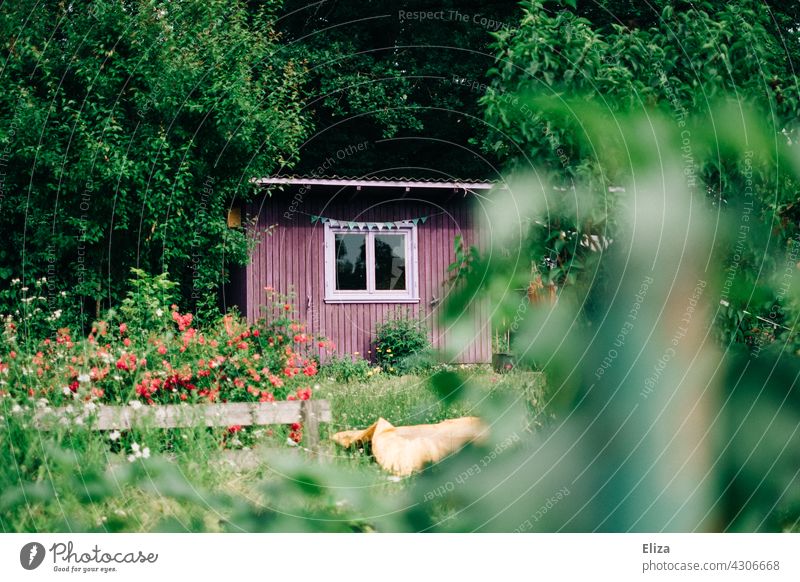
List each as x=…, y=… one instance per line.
x=370, y=300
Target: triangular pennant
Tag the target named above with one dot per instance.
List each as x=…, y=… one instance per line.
x=415, y=221
x=314, y=218
x=324, y=220
x=351, y=225
x=423, y=219
x=371, y=225
x=333, y=222
x=398, y=224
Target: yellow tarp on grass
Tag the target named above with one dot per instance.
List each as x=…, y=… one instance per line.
x=401, y=450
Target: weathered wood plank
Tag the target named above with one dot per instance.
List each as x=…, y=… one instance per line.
x=311, y=419
x=187, y=415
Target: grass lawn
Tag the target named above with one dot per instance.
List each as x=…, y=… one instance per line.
x=88, y=481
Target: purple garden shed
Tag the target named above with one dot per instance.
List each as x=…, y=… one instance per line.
x=353, y=250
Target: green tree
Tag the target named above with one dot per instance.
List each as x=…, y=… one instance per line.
x=127, y=128
x=402, y=77
x=681, y=61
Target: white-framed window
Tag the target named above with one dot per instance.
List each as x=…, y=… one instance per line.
x=371, y=266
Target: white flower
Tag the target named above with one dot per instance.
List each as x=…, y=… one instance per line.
x=63, y=293
x=159, y=312
x=146, y=453
x=90, y=406
x=290, y=442
x=135, y=447
x=15, y=281
x=131, y=458
x=135, y=404
x=114, y=435
x=56, y=314
x=23, y=289
x=16, y=408
x=83, y=378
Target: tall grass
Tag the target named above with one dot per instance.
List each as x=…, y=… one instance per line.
x=73, y=478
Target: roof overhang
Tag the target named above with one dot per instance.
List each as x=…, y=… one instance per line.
x=374, y=183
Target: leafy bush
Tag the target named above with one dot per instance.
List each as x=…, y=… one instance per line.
x=146, y=300
x=400, y=342
x=348, y=368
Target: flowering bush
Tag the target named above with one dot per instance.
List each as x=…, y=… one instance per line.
x=169, y=361
x=36, y=310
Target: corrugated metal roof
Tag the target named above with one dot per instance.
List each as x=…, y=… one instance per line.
x=377, y=181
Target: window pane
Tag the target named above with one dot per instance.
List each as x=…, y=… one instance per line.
x=351, y=262
x=390, y=262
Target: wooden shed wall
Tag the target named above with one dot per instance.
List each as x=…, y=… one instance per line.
x=290, y=258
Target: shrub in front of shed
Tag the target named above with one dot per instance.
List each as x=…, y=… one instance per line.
x=402, y=343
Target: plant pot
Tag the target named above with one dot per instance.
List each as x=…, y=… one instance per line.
x=503, y=361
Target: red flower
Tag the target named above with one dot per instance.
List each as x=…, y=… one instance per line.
x=123, y=328
x=286, y=307
x=234, y=429
x=304, y=393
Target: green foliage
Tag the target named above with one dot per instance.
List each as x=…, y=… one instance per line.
x=405, y=86
x=148, y=301
x=680, y=62
x=400, y=343
x=127, y=129
x=32, y=312
x=348, y=368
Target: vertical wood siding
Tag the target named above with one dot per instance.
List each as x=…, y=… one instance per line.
x=289, y=257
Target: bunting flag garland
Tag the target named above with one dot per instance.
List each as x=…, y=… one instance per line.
x=396, y=224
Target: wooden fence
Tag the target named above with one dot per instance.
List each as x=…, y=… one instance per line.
x=309, y=412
